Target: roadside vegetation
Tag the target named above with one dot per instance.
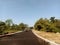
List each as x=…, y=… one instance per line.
x=9, y=27
x=48, y=25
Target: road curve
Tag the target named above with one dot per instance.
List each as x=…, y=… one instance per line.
x=23, y=38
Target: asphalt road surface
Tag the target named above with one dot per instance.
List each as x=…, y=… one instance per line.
x=23, y=38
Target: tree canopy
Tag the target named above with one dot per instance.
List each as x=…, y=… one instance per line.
x=9, y=25
x=52, y=25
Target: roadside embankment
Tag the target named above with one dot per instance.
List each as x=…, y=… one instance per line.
x=45, y=39
x=9, y=34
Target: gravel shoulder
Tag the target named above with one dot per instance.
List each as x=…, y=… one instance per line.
x=55, y=37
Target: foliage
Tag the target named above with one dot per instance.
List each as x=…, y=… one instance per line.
x=30, y=27
x=52, y=25
x=2, y=27
x=22, y=26
x=9, y=22
x=8, y=26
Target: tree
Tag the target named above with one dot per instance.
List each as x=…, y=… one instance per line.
x=2, y=27
x=22, y=26
x=41, y=23
x=52, y=25
x=52, y=19
x=14, y=27
x=38, y=24
x=57, y=23
x=9, y=22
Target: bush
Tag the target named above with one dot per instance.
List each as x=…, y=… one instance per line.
x=51, y=25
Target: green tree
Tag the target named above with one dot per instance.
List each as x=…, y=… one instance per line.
x=57, y=23
x=52, y=25
x=41, y=23
x=9, y=23
x=52, y=19
x=14, y=27
x=2, y=27
x=22, y=26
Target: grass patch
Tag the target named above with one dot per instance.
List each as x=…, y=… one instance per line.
x=10, y=31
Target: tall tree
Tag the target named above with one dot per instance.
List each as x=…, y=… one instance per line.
x=2, y=27
x=22, y=26
x=9, y=22
x=14, y=27
x=52, y=19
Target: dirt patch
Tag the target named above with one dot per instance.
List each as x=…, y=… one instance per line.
x=55, y=37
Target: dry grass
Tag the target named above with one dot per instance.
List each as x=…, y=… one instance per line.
x=51, y=36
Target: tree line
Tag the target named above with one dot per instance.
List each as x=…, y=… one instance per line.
x=9, y=25
x=48, y=25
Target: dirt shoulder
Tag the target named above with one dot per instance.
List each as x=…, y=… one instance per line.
x=55, y=37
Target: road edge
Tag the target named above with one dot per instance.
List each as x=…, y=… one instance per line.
x=10, y=34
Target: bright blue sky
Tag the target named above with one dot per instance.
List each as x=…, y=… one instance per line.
x=28, y=11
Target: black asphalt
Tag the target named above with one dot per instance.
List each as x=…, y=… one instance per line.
x=23, y=38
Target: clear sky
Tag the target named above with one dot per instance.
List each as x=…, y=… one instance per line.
x=28, y=11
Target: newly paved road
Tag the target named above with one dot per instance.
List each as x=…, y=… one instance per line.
x=23, y=38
